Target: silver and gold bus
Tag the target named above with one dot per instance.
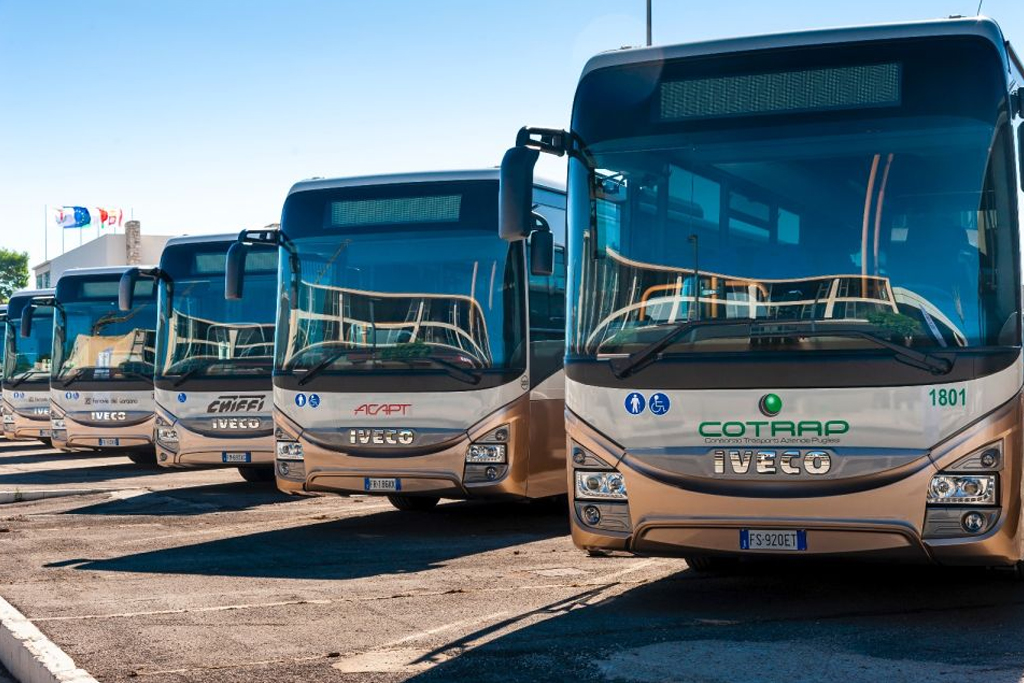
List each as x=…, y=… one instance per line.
x=101, y=380
x=795, y=295
x=213, y=357
x=418, y=355
x=28, y=354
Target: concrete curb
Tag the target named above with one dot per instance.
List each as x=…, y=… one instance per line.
x=22, y=496
x=30, y=656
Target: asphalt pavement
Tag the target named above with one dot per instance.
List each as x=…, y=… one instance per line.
x=199, y=576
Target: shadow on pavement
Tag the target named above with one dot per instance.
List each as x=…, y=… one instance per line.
x=80, y=475
x=189, y=500
x=794, y=622
x=49, y=455
x=21, y=446
x=368, y=545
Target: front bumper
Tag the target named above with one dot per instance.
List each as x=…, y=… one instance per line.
x=135, y=437
x=443, y=473
x=200, y=451
x=887, y=522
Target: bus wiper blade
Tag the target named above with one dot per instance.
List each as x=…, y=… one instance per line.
x=15, y=381
x=74, y=377
x=624, y=367
x=191, y=372
x=905, y=354
x=322, y=365
x=468, y=375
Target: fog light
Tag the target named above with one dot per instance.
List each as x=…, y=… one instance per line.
x=491, y=473
x=989, y=458
x=289, y=450
x=578, y=456
x=973, y=522
x=600, y=485
x=591, y=515
x=959, y=489
x=163, y=457
x=283, y=468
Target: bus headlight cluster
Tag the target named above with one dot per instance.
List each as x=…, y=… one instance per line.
x=491, y=448
x=289, y=450
x=600, y=485
x=57, y=423
x=960, y=489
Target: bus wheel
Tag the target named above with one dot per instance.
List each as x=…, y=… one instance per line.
x=142, y=457
x=46, y=441
x=257, y=475
x=704, y=564
x=414, y=503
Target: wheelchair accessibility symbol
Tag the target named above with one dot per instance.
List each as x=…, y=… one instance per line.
x=659, y=404
x=635, y=403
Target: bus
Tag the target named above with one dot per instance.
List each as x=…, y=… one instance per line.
x=28, y=349
x=418, y=355
x=795, y=323
x=213, y=357
x=101, y=379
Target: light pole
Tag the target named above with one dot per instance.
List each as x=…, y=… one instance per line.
x=648, y=23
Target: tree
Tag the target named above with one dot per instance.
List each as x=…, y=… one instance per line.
x=13, y=272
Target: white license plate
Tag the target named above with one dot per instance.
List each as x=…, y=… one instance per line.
x=236, y=457
x=110, y=442
x=784, y=540
x=375, y=484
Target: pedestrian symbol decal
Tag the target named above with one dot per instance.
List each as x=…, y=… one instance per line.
x=300, y=400
x=659, y=404
x=635, y=403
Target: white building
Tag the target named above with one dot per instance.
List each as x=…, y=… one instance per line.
x=129, y=248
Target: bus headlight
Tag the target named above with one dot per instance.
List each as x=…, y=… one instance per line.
x=960, y=489
x=289, y=450
x=600, y=485
x=486, y=452
x=57, y=423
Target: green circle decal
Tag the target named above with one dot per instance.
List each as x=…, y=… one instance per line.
x=770, y=405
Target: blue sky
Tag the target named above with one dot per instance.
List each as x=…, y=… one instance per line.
x=199, y=115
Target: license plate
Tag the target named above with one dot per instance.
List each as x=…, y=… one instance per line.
x=110, y=442
x=773, y=539
x=374, y=484
x=236, y=457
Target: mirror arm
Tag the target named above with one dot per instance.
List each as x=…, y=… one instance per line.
x=548, y=140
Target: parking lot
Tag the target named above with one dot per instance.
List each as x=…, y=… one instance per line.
x=198, y=576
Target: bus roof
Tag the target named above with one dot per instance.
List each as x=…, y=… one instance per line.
x=420, y=177
x=955, y=26
x=30, y=294
x=99, y=270
x=202, y=239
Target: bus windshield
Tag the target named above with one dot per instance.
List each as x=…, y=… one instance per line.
x=95, y=340
x=202, y=334
x=29, y=359
x=862, y=188
x=409, y=278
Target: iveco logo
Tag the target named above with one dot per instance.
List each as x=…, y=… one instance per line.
x=238, y=403
x=772, y=462
x=236, y=423
x=108, y=416
x=381, y=437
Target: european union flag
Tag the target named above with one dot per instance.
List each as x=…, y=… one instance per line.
x=82, y=217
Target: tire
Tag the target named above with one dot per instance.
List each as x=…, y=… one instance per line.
x=413, y=503
x=142, y=457
x=705, y=564
x=257, y=475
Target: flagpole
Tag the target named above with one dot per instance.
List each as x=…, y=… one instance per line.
x=46, y=231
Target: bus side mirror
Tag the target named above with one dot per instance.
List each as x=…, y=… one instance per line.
x=515, y=193
x=126, y=289
x=542, y=248
x=26, y=321
x=234, y=271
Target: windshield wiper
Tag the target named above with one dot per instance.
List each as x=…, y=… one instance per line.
x=624, y=367
x=467, y=375
x=15, y=381
x=72, y=378
x=904, y=354
x=192, y=371
x=322, y=365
